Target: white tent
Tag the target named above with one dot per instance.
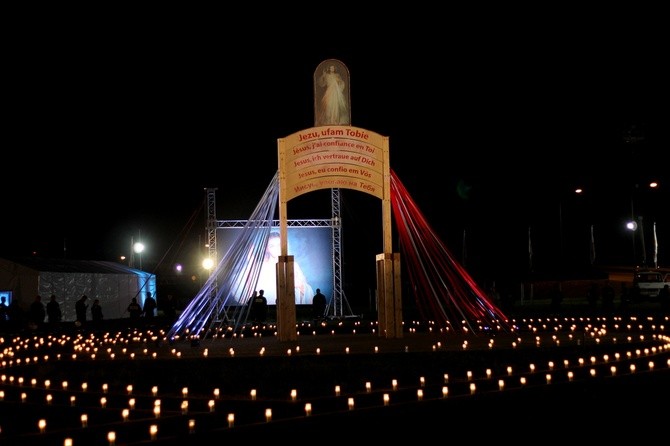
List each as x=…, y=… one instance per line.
x=113, y=283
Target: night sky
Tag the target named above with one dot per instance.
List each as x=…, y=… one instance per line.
x=116, y=131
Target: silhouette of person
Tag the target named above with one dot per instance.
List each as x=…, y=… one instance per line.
x=4, y=314
x=259, y=306
x=268, y=275
x=54, y=313
x=4, y=310
x=15, y=315
x=149, y=306
x=80, y=308
x=318, y=304
x=252, y=305
x=37, y=312
x=169, y=308
x=96, y=311
x=134, y=309
x=334, y=108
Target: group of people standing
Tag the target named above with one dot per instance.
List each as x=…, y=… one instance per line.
x=81, y=307
x=259, y=306
x=40, y=315
x=135, y=310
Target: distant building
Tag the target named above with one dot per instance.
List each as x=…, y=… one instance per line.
x=113, y=283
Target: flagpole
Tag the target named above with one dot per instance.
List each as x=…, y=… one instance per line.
x=530, y=252
x=655, y=248
x=593, y=247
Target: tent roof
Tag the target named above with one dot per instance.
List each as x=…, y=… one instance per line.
x=74, y=266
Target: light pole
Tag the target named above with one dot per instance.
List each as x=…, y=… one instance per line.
x=207, y=265
x=138, y=248
x=561, y=236
x=632, y=227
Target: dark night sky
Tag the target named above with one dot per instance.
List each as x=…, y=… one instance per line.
x=118, y=129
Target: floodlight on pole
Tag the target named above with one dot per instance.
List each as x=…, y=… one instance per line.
x=208, y=264
x=139, y=249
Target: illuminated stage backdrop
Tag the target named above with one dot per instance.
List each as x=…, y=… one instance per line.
x=312, y=248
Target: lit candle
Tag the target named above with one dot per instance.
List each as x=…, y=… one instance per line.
x=394, y=384
x=294, y=394
x=445, y=391
x=111, y=438
x=231, y=419
x=191, y=426
x=253, y=394
x=103, y=402
x=308, y=409
x=368, y=386
x=337, y=390
x=84, y=420
x=42, y=424
x=268, y=415
x=153, y=431
x=350, y=403
x=217, y=393
x=387, y=398
x=419, y=394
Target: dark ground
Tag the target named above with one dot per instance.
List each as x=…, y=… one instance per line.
x=605, y=407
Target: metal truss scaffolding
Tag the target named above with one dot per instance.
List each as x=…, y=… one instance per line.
x=336, y=306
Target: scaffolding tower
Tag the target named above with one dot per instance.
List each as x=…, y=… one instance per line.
x=336, y=305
